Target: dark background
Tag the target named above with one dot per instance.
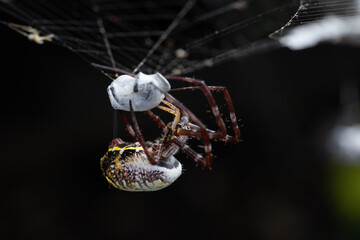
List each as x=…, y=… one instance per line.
x=276, y=184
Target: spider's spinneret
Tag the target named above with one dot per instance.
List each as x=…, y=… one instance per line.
x=126, y=167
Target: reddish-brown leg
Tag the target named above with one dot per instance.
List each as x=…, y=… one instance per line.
x=204, y=134
x=210, y=99
x=230, y=105
x=128, y=126
x=191, y=153
x=195, y=132
x=156, y=119
x=140, y=137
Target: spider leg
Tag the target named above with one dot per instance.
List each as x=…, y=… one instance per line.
x=195, y=132
x=205, y=89
x=230, y=105
x=173, y=110
x=204, y=134
x=191, y=153
x=128, y=126
x=140, y=137
x=156, y=119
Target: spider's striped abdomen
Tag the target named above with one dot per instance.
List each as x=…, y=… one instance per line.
x=127, y=168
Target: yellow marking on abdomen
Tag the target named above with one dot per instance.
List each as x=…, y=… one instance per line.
x=125, y=148
x=111, y=182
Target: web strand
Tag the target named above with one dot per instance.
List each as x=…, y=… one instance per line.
x=129, y=36
x=102, y=30
x=166, y=33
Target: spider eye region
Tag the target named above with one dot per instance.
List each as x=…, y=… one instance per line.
x=145, y=91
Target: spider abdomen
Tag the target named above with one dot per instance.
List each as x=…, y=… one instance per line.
x=128, y=169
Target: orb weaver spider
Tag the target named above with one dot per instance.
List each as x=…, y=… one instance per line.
x=147, y=91
x=150, y=166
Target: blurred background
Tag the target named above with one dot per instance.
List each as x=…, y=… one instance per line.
x=289, y=178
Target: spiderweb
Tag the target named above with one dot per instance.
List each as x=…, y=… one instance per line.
x=318, y=21
x=312, y=11
x=170, y=37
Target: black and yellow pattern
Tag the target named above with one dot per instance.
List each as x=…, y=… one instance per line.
x=126, y=167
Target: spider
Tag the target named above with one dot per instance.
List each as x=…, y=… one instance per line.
x=150, y=166
x=31, y=33
x=127, y=166
x=143, y=92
